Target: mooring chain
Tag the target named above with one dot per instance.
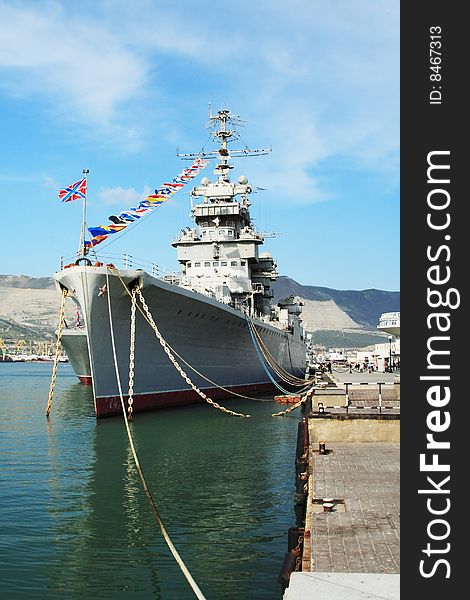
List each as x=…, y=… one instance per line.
x=130, y=400
x=177, y=365
x=303, y=399
x=288, y=410
x=297, y=553
x=57, y=351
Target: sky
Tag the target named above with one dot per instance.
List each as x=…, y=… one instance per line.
x=118, y=87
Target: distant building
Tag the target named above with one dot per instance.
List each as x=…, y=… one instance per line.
x=389, y=352
x=389, y=322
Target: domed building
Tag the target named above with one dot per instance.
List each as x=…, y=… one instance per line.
x=388, y=354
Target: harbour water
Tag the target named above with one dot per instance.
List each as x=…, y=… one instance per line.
x=74, y=522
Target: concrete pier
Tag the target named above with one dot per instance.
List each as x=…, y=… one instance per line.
x=351, y=534
x=362, y=535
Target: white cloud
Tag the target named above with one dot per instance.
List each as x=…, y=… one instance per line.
x=122, y=197
x=83, y=70
x=50, y=183
x=297, y=145
x=320, y=79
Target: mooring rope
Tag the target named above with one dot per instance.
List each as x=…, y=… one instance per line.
x=260, y=356
x=177, y=365
x=57, y=351
x=217, y=385
x=307, y=393
x=186, y=378
x=195, y=588
x=170, y=351
x=277, y=368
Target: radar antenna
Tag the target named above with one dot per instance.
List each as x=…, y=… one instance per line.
x=220, y=132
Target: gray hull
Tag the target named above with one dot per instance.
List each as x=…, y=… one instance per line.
x=211, y=337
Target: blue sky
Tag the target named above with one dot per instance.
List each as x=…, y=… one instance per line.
x=117, y=86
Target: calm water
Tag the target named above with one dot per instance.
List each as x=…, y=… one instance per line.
x=74, y=522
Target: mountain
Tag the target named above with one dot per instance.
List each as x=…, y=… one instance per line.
x=363, y=307
x=29, y=309
x=340, y=318
x=26, y=282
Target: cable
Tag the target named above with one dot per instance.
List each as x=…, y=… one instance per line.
x=168, y=541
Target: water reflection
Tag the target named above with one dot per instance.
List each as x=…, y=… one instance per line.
x=224, y=487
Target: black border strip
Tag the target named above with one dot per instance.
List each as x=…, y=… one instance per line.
x=426, y=128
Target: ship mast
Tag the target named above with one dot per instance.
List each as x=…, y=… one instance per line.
x=222, y=117
x=221, y=256
x=82, y=251
x=218, y=126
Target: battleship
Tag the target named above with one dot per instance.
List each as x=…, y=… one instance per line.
x=215, y=318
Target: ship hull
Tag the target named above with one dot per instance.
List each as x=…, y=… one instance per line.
x=75, y=344
x=211, y=342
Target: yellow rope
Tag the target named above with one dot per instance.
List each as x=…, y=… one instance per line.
x=57, y=352
x=165, y=534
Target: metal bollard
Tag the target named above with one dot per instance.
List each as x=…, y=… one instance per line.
x=347, y=397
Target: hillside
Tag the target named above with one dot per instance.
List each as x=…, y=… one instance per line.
x=26, y=282
x=340, y=338
x=363, y=307
x=29, y=309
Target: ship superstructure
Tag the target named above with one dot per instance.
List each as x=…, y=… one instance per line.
x=217, y=313
x=220, y=256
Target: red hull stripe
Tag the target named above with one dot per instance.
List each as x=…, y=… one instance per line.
x=86, y=379
x=111, y=405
